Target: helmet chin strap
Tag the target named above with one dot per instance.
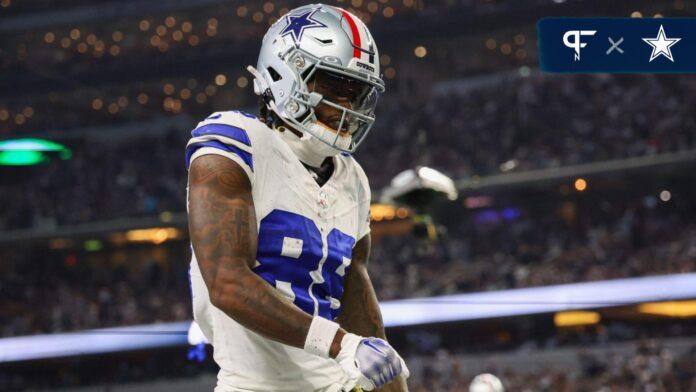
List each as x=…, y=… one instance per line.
x=302, y=149
x=308, y=148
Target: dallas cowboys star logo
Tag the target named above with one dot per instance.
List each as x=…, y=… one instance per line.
x=297, y=25
x=661, y=45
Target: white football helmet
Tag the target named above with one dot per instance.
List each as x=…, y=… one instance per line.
x=305, y=42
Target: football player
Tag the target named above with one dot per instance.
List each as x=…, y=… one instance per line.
x=279, y=218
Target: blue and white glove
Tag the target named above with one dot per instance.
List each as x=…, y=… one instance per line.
x=370, y=362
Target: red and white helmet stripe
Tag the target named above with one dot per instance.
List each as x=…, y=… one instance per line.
x=362, y=42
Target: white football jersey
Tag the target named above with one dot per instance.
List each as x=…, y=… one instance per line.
x=306, y=235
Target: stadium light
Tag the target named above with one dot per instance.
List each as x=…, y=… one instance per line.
x=28, y=152
x=669, y=309
x=93, y=245
x=156, y=235
x=665, y=195
x=21, y=158
x=420, y=51
x=576, y=318
x=580, y=184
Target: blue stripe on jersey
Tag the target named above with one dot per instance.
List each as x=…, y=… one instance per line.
x=245, y=114
x=225, y=130
x=246, y=157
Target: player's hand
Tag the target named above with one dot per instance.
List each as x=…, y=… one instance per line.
x=370, y=362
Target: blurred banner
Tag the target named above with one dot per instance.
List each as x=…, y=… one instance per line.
x=398, y=313
x=617, y=45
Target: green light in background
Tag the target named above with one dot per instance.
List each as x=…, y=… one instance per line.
x=29, y=144
x=93, y=245
x=21, y=158
x=27, y=152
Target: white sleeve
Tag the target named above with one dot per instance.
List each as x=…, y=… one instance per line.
x=216, y=151
x=221, y=138
x=364, y=199
x=364, y=224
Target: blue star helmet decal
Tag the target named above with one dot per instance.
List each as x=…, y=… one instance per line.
x=297, y=24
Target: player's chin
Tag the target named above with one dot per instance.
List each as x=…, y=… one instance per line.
x=333, y=127
x=343, y=131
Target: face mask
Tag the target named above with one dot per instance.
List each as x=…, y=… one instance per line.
x=310, y=149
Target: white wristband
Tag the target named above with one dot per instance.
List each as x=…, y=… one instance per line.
x=320, y=336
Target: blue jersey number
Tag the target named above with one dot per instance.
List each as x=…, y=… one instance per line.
x=290, y=251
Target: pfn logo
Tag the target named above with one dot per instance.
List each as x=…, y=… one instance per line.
x=576, y=44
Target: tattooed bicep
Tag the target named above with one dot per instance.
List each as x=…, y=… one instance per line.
x=361, y=251
x=222, y=173
x=222, y=221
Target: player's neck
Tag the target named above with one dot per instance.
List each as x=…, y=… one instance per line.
x=322, y=173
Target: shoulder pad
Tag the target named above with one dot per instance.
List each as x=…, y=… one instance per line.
x=230, y=117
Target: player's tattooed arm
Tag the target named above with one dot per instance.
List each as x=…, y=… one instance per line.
x=360, y=312
x=222, y=225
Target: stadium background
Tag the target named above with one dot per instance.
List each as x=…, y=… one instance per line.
x=562, y=179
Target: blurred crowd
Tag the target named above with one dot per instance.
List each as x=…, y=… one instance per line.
x=463, y=133
x=45, y=292
x=629, y=238
x=509, y=125
x=651, y=368
x=102, y=181
x=597, y=241
x=648, y=366
x=531, y=122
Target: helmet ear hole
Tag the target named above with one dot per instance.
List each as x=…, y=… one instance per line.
x=274, y=74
